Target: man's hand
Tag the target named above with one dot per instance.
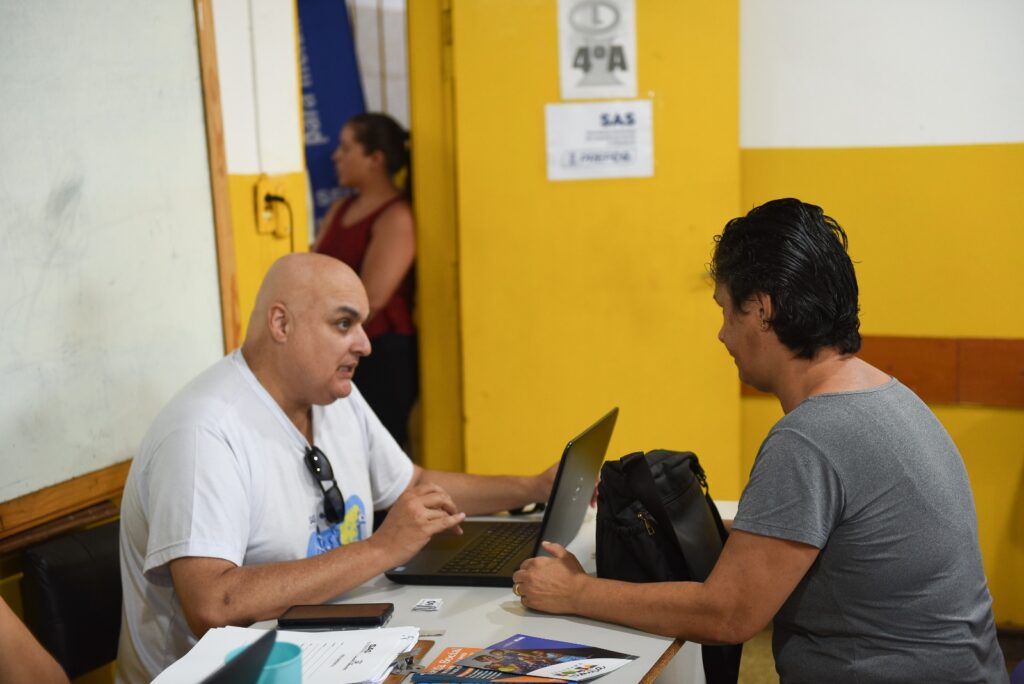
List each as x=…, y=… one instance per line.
x=549, y=584
x=420, y=513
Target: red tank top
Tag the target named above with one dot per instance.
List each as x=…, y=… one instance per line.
x=349, y=244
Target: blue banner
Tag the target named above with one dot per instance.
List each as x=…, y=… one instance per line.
x=331, y=91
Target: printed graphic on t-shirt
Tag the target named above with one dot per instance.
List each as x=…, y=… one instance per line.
x=352, y=528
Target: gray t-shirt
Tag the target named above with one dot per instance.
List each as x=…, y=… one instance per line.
x=898, y=592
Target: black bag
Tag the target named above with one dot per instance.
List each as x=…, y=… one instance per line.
x=656, y=522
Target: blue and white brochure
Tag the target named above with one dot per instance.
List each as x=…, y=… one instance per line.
x=523, y=654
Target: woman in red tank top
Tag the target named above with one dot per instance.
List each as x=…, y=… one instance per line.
x=372, y=231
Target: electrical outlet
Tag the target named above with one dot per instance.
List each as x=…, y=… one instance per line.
x=266, y=222
x=283, y=227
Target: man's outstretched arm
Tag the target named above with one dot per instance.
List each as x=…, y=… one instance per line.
x=215, y=592
x=481, y=494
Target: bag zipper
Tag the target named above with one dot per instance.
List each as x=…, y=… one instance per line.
x=648, y=522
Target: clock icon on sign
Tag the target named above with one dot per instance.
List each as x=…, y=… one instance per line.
x=594, y=16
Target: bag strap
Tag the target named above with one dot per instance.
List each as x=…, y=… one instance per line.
x=722, y=532
x=641, y=481
x=698, y=472
x=675, y=518
x=721, y=664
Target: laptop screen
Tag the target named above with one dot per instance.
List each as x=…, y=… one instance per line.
x=575, y=481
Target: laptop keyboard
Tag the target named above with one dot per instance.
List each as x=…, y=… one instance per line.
x=489, y=552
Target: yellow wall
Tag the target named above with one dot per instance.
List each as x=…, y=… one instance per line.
x=433, y=173
x=936, y=235
x=577, y=296
x=255, y=252
x=919, y=218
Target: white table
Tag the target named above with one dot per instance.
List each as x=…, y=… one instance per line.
x=480, y=616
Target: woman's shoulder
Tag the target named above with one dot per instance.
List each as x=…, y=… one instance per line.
x=395, y=215
x=396, y=206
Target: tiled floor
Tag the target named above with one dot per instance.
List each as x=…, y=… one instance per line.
x=1013, y=647
x=757, y=666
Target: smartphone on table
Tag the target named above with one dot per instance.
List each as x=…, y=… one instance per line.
x=336, y=616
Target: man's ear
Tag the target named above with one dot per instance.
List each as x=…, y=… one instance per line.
x=279, y=322
x=765, y=310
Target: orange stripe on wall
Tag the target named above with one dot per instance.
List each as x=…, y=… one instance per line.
x=986, y=372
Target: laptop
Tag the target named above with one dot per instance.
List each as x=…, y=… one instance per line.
x=488, y=552
x=247, y=666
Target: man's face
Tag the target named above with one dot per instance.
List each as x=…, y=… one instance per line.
x=741, y=334
x=329, y=339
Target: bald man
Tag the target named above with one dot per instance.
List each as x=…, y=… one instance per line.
x=254, y=490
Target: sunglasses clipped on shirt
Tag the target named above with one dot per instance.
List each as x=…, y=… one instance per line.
x=320, y=467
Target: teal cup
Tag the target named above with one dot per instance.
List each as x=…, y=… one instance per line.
x=283, y=666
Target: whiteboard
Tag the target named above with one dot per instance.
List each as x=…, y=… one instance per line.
x=108, y=271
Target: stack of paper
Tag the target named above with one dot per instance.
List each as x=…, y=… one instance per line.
x=363, y=656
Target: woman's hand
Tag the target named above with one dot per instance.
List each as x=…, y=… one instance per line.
x=550, y=585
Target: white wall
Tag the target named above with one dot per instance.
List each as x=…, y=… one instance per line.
x=380, y=36
x=851, y=73
x=259, y=87
x=107, y=261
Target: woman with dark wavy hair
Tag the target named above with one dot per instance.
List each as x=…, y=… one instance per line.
x=856, y=533
x=372, y=231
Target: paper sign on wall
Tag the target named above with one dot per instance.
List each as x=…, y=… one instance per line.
x=597, y=48
x=611, y=139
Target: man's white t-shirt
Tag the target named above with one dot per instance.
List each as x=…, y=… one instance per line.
x=221, y=474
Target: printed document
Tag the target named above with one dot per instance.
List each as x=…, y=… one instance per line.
x=337, y=657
